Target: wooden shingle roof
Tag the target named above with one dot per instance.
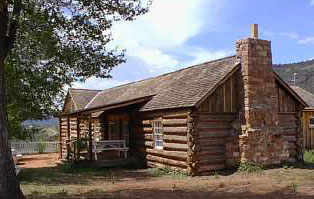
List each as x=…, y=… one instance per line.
x=81, y=97
x=305, y=95
x=182, y=88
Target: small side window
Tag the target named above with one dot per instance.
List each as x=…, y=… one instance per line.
x=312, y=122
x=158, y=134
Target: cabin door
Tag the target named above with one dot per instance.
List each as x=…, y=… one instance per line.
x=118, y=128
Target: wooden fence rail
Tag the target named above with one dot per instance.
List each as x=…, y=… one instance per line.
x=35, y=147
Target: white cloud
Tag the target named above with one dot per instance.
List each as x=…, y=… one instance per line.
x=98, y=83
x=201, y=55
x=288, y=35
x=168, y=25
x=312, y=3
x=307, y=40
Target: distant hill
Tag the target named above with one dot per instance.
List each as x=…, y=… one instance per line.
x=42, y=123
x=304, y=70
x=48, y=129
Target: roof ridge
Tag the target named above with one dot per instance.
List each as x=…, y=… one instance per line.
x=85, y=89
x=182, y=69
x=86, y=106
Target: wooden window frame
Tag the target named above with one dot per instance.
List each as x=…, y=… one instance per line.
x=158, y=134
x=311, y=122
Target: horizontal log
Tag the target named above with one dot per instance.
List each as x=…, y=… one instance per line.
x=175, y=147
x=290, y=138
x=174, y=122
x=175, y=129
x=146, y=122
x=208, y=125
x=210, y=167
x=64, y=123
x=147, y=129
x=168, y=154
x=212, y=142
x=212, y=133
x=216, y=117
x=175, y=138
x=211, y=150
x=166, y=161
x=176, y=116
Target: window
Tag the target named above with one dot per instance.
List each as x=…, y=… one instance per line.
x=158, y=134
x=312, y=122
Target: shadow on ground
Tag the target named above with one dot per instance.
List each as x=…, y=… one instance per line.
x=57, y=176
x=176, y=194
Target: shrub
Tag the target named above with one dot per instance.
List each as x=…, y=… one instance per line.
x=250, y=168
x=308, y=156
x=167, y=171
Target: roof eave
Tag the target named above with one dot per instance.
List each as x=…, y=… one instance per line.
x=109, y=106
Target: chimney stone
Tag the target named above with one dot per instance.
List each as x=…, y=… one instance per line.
x=260, y=142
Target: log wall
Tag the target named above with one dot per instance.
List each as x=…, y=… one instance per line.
x=291, y=132
x=63, y=136
x=74, y=127
x=308, y=131
x=214, y=133
x=174, y=152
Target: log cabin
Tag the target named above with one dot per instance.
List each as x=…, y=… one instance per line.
x=307, y=117
x=198, y=119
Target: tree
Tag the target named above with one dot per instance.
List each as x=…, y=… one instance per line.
x=51, y=43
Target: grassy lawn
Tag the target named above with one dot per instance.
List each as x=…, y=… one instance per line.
x=290, y=181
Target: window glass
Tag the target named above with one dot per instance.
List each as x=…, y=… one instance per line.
x=158, y=134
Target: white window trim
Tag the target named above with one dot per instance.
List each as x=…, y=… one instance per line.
x=160, y=133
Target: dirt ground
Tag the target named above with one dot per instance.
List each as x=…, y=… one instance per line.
x=42, y=179
x=39, y=161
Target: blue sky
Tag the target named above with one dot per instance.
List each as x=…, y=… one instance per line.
x=179, y=33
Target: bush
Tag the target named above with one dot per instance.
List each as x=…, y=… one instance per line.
x=167, y=171
x=250, y=168
x=308, y=157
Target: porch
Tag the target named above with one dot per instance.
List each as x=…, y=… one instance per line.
x=100, y=139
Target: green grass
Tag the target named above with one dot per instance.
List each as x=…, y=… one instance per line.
x=167, y=171
x=308, y=157
x=250, y=168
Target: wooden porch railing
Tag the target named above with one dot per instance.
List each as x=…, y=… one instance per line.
x=110, y=145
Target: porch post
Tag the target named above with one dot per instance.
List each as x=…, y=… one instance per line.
x=90, y=145
x=68, y=138
x=78, y=143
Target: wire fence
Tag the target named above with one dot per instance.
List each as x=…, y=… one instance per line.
x=35, y=147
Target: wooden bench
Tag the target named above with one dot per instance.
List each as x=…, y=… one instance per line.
x=110, y=145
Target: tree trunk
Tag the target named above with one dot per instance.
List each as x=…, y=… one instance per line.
x=9, y=185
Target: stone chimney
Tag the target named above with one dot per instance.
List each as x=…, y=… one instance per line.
x=261, y=141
